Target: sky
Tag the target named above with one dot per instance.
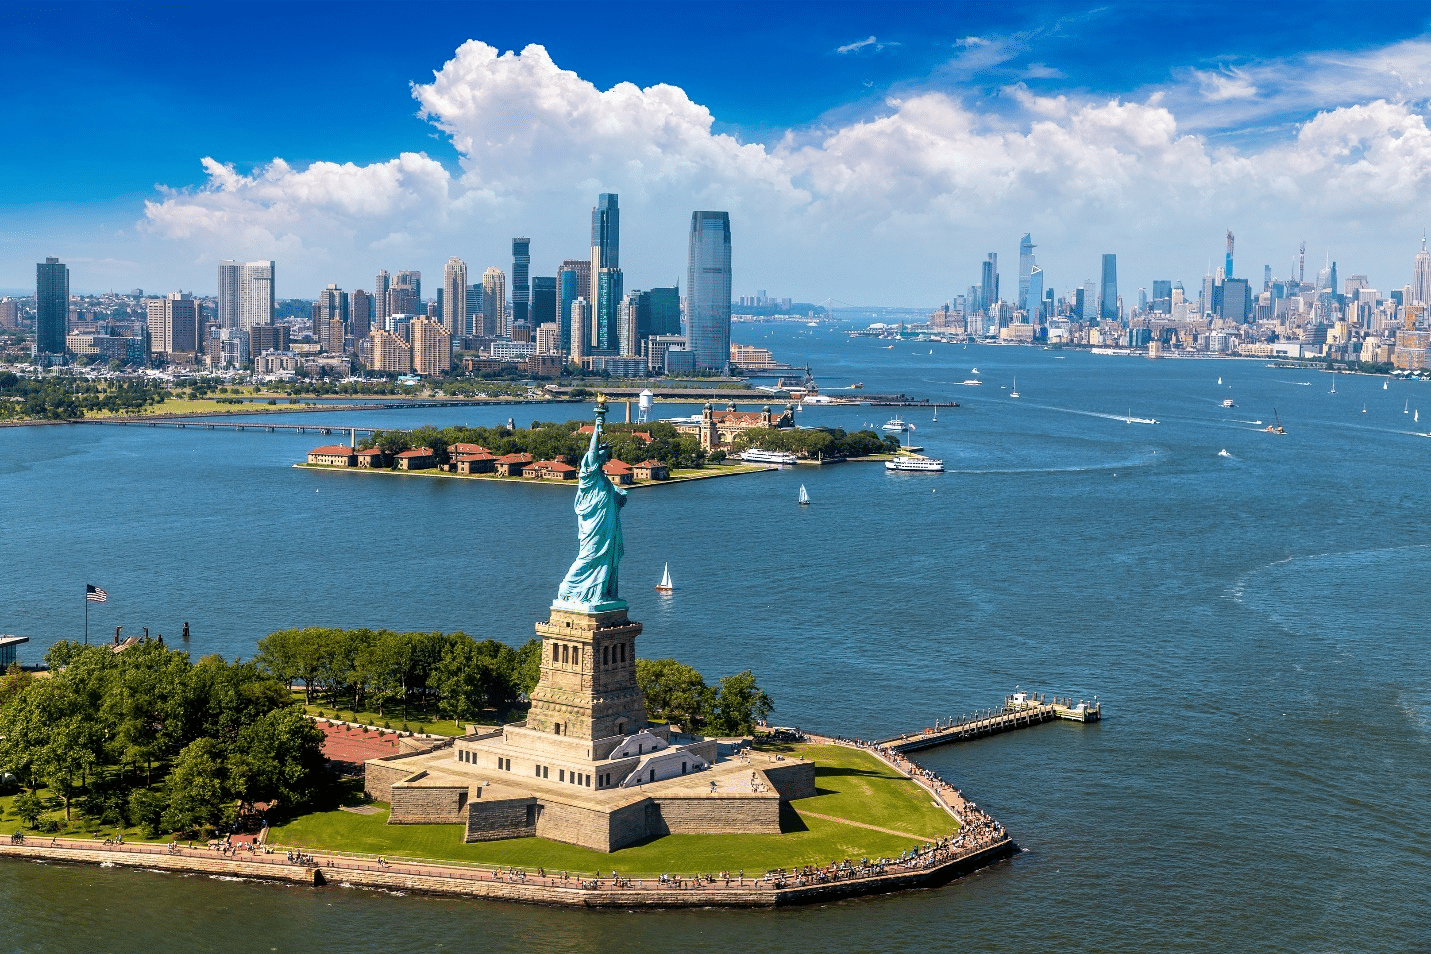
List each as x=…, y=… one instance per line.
x=868, y=153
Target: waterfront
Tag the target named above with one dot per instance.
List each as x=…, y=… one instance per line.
x=1251, y=622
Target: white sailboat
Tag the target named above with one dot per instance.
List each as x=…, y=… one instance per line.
x=1015, y=392
x=1417, y=416
x=665, y=585
x=1383, y=385
x=1334, y=387
x=935, y=418
x=1407, y=408
x=1219, y=380
x=804, y=497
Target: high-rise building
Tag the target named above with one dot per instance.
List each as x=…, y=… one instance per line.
x=573, y=282
x=1236, y=299
x=454, y=299
x=431, y=347
x=246, y=294
x=989, y=282
x=389, y=353
x=1421, y=276
x=521, y=286
x=1227, y=269
x=544, y=301
x=494, y=302
x=659, y=312
x=605, y=253
x=1108, y=290
x=628, y=342
x=381, y=284
x=52, y=306
x=1033, y=294
x=708, y=284
x=360, y=314
x=405, y=294
x=1026, y=266
x=580, y=321
x=1090, y=303
x=1162, y=301
x=173, y=324
x=604, y=332
x=330, y=319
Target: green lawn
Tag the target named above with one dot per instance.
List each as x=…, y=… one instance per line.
x=851, y=784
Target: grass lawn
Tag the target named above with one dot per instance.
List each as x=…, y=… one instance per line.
x=851, y=784
x=203, y=405
x=79, y=826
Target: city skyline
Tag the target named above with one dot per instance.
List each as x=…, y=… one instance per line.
x=937, y=139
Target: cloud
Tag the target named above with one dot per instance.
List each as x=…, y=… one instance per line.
x=895, y=207
x=860, y=46
x=1225, y=84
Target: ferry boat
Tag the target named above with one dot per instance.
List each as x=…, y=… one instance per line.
x=915, y=464
x=896, y=425
x=1229, y=402
x=972, y=383
x=769, y=457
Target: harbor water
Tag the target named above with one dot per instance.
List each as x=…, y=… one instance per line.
x=1254, y=625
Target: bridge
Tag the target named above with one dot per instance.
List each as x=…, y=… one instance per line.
x=200, y=425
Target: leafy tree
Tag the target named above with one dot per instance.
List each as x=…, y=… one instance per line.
x=675, y=692
x=739, y=704
x=278, y=758
x=291, y=654
x=197, y=791
x=528, y=668
x=29, y=807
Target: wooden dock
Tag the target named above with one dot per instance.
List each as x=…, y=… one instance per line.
x=1020, y=710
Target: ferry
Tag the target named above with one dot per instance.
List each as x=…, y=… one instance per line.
x=769, y=457
x=972, y=383
x=896, y=425
x=915, y=464
x=1229, y=402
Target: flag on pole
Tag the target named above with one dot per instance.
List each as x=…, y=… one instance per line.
x=94, y=594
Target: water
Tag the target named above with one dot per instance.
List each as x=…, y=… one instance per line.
x=1254, y=625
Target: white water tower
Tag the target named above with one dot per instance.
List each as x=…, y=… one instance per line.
x=644, y=406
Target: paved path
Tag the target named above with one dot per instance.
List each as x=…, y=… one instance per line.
x=846, y=821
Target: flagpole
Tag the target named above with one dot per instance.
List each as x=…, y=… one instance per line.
x=86, y=617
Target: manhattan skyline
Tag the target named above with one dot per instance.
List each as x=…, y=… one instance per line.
x=873, y=157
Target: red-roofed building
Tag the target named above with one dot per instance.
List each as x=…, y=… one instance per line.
x=551, y=470
x=374, y=457
x=619, y=472
x=512, y=465
x=419, y=458
x=719, y=429
x=458, y=450
x=469, y=464
x=333, y=455
x=650, y=470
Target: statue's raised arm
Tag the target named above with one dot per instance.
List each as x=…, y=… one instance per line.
x=592, y=579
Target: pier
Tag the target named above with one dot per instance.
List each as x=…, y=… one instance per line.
x=1020, y=710
x=202, y=425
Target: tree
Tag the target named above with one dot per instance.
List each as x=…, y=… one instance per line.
x=739, y=704
x=278, y=758
x=675, y=692
x=29, y=807
x=196, y=790
x=295, y=654
x=527, y=671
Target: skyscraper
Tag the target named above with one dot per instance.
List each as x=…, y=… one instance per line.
x=494, y=302
x=573, y=282
x=52, y=306
x=245, y=294
x=1090, y=303
x=1421, y=276
x=521, y=287
x=405, y=294
x=659, y=313
x=708, y=284
x=628, y=342
x=604, y=332
x=431, y=346
x=331, y=319
x=1108, y=290
x=605, y=253
x=1026, y=266
x=989, y=282
x=1033, y=295
x=173, y=324
x=381, y=284
x=360, y=314
x=544, y=301
x=454, y=299
x=579, y=321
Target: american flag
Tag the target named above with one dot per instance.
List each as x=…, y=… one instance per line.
x=94, y=594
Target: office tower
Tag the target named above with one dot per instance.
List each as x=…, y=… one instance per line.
x=454, y=299
x=330, y=319
x=605, y=251
x=360, y=314
x=1421, y=276
x=1026, y=266
x=659, y=313
x=989, y=282
x=381, y=284
x=1090, y=303
x=573, y=282
x=1209, y=289
x=547, y=340
x=473, y=322
x=580, y=330
x=52, y=306
x=1236, y=299
x=1033, y=294
x=173, y=324
x=431, y=347
x=494, y=302
x=544, y=301
x=1162, y=296
x=628, y=342
x=607, y=313
x=1266, y=277
x=263, y=338
x=521, y=287
x=246, y=295
x=1108, y=290
x=1227, y=270
x=708, y=283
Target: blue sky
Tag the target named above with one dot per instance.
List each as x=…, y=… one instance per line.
x=896, y=142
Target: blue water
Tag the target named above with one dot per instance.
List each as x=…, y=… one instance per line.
x=1254, y=625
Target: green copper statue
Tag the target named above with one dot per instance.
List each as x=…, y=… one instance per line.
x=591, y=581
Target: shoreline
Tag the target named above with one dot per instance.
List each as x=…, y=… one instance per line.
x=527, y=481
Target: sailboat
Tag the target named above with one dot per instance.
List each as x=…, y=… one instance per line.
x=1219, y=380
x=804, y=497
x=1334, y=387
x=1417, y=416
x=665, y=585
x=1015, y=392
x=1383, y=385
x=1407, y=408
x=935, y=418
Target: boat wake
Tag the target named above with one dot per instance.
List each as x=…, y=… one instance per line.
x=1125, y=418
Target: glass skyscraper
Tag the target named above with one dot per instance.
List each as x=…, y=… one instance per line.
x=659, y=312
x=573, y=282
x=708, y=287
x=1108, y=290
x=544, y=302
x=521, y=290
x=605, y=254
x=52, y=306
x=1026, y=266
x=604, y=334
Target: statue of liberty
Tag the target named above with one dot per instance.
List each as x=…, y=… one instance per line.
x=591, y=581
